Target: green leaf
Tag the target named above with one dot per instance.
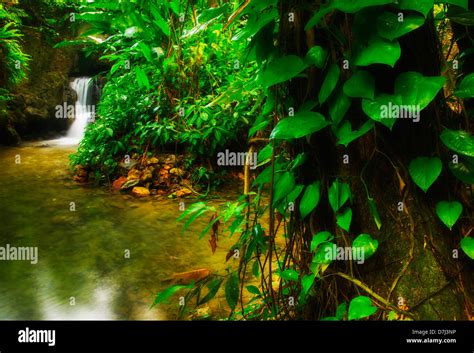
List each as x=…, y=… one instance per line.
x=329, y=83
x=281, y=70
x=310, y=199
x=283, y=186
x=339, y=193
x=418, y=90
x=232, y=290
x=253, y=290
x=163, y=296
x=466, y=87
x=306, y=284
x=458, y=141
x=467, y=245
x=360, y=85
x=379, y=51
x=300, y=125
x=339, y=104
x=213, y=287
x=375, y=213
x=320, y=238
x=142, y=78
x=289, y=275
x=361, y=307
x=367, y=245
x=424, y=171
x=293, y=195
x=265, y=154
x=316, y=56
x=465, y=18
x=390, y=26
x=449, y=212
x=346, y=135
x=460, y=3
x=344, y=218
x=421, y=6
x=324, y=254
x=380, y=109
x=159, y=21
x=341, y=311
x=463, y=170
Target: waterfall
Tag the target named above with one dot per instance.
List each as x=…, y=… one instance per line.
x=83, y=110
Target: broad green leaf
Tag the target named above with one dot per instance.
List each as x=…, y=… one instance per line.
x=361, y=307
x=465, y=18
x=449, y=212
x=375, y=213
x=142, y=77
x=159, y=20
x=310, y=199
x=232, y=290
x=293, y=195
x=421, y=6
x=391, y=26
x=265, y=154
x=463, y=170
x=458, y=141
x=345, y=134
x=467, y=245
x=299, y=160
x=300, y=125
x=289, y=275
x=344, y=218
x=283, y=186
x=255, y=23
x=253, y=290
x=378, y=51
x=329, y=83
x=360, y=85
x=418, y=90
x=316, y=56
x=368, y=245
x=163, y=296
x=339, y=104
x=306, y=284
x=281, y=70
x=339, y=194
x=324, y=254
x=381, y=109
x=341, y=311
x=466, y=87
x=213, y=287
x=320, y=238
x=424, y=171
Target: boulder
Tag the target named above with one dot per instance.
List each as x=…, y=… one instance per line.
x=139, y=191
x=117, y=184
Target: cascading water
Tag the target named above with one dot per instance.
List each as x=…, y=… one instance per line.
x=83, y=110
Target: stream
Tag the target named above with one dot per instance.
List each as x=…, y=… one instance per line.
x=81, y=252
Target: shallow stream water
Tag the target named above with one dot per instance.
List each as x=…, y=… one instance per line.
x=82, y=253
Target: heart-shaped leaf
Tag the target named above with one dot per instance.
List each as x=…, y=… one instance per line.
x=344, y=219
x=421, y=6
x=392, y=26
x=367, y=245
x=289, y=275
x=418, y=90
x=324, y=254
x=329, y=83
x=346, y=135
x=339, y=193
x=380, y=109
x=378, y=51
x=360, y=85
x=339, y=104
x=320, y=238
x=449, y=212
x=459, y=141
x=281, y=70
x=467, y=245
x=424, y=171
x=361, y=307
x=300, y=125
x=310, y=199
x=316, y=56
x=283, y=186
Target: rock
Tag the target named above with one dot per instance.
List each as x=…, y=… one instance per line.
x=167, y=167
x=139, y=191
x=134, y=174
x=129, y=184
x=152, y=160
x=171, y=159
x=117, y=184
x=146, y=176
x=177, y=171
x=183, y=192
